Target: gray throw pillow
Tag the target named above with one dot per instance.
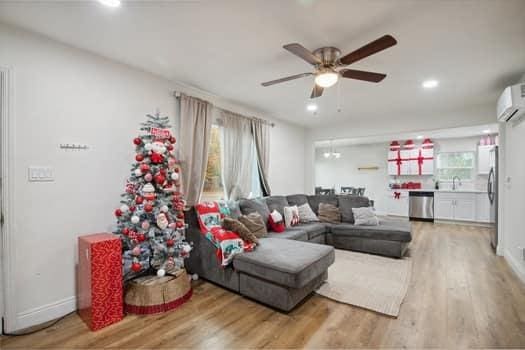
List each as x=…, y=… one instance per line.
x=306, y=214
x=254, y=222
x=365, y=216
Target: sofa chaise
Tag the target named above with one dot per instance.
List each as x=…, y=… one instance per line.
x=286, y=267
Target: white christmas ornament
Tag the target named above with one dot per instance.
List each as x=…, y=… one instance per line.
x=186, y=248
x=135, y=219
x=194, y=277
x=148, y=146
x=174, y=176
x=148, y=188
x=161, y=272
x=138, y=172
x=158, y=147
x=162, y=221
x=124, y=208
x=164, y=209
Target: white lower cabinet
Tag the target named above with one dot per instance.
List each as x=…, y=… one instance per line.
x=397, y=205
x=482, y=207
x=455, y=206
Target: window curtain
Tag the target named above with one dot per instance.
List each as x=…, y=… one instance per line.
x=238, y=155
x=195, y=129
x=261, y=137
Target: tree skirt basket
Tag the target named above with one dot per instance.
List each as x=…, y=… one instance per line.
x=152, y=294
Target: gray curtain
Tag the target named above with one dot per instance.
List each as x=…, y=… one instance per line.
x=261, y=137
x=238, y=154
x=195, y=129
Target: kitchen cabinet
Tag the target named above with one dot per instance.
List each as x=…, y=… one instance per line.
x=455, y=206
x=482, y=207
x=397, y=206
x=484, y=159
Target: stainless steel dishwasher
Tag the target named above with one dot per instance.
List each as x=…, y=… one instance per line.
x=421, y=205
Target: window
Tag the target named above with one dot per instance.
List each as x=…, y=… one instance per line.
x=213, y=181
x=213, y=188
x=452, y=164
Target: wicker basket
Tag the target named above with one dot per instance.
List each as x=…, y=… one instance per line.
x=152, y=294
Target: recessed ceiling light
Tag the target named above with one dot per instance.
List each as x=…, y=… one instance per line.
x=110, y=3
x=430, y=84
x=486, y=131
x=311, y=107
x=419, y=137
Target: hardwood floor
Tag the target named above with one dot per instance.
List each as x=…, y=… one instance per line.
x=461, y=296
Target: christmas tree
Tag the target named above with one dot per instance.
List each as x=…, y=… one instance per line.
x=151, y=217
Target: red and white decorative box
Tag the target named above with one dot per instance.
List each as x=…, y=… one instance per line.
x=100, y=279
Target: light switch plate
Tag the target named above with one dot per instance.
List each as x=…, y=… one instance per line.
x=40, y=173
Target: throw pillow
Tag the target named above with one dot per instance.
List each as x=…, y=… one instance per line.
x=365, y=216
x=239, y=228
x=306, y=214
x=329, y=213
x=291, y=216
x=255, y=224
x=276, y=222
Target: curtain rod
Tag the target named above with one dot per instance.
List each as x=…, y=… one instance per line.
x=178, y=94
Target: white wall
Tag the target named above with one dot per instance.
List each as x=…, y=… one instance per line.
x=62, y=94
x=512, y=189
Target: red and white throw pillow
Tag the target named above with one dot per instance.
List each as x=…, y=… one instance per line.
x=291, y=216
x=276, y=222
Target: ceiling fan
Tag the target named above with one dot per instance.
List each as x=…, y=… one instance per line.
x=326, y=60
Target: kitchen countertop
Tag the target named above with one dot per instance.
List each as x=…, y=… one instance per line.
x=440, y=190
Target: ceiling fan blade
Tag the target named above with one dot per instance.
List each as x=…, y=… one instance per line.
x=371, y=48
x=362, y=75
x=317, y=91
x=282, y=80
x=300, y=51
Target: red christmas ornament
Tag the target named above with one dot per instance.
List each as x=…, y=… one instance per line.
x=172, y=139
x=137, y=141
x=180, y=224
x=162, y=171
x=125, y=231
x=132, y=208
x=139, y=200
x=136, y=267
x=139, y=157
x=159, y=178
x=118, y=212
x=144, y=168
x=169, y=148
x=180, y=215
x=156, y=158
x=170, y=242
x=141, y=237
x=176, y=170
x=148, y=208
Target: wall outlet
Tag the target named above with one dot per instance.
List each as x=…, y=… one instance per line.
x=40, y=173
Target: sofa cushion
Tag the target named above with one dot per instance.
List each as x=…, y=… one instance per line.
x=314, y=229
x=286, y=262
x=329, y=213
x=388, y=230
x=257, y=205
x=276, y=203
x=347, y=202
x=294, y=233
x=306, y=214
x=315, y=200
x=255, y=224
x=297, y=199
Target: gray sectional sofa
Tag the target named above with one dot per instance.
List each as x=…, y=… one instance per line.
x=286, y=267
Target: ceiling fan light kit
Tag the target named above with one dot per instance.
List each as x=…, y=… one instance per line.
x=326, y=60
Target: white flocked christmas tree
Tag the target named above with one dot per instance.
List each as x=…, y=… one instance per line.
x=150, y=219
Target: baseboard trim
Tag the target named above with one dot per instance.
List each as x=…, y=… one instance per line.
x=45, y=313
x=515, y=265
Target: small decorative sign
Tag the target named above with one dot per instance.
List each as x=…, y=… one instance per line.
x=160, y=134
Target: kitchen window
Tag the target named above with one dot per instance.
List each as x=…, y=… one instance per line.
x=450, y=164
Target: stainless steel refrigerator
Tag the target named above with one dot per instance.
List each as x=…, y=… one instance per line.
x=492, y=192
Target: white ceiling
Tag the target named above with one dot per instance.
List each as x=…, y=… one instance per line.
x=473, y=47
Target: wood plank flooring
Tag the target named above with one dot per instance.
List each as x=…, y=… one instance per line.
x=461, y=296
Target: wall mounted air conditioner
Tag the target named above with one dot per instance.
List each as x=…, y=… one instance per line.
x=511, y=103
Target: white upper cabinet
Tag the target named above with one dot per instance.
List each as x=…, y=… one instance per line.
x=484, y=160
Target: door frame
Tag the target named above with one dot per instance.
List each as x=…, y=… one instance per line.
x=7, y=281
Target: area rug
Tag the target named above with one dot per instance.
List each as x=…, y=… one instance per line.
x=368, y=281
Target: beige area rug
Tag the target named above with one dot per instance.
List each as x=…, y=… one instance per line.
x=368, y=281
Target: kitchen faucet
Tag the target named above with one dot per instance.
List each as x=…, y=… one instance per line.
x=454, y=182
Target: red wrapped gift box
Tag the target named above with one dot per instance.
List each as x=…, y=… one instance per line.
x=100, y=279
